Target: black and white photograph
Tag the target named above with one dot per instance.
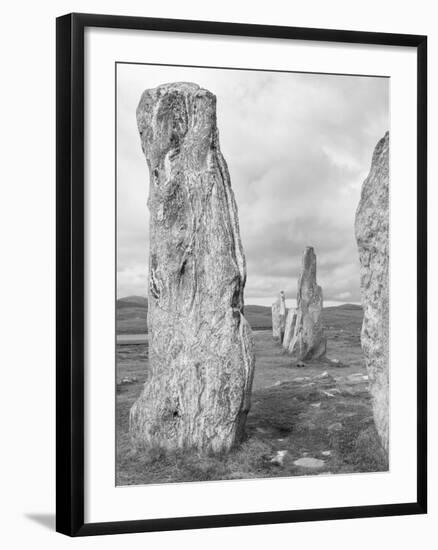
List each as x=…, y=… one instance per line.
x=252, y=274
x=215, y=275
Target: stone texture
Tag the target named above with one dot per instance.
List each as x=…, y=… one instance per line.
x=279, y=317
x=308, y=340
x=372, y=235
x=200, y=346
x=289, y=327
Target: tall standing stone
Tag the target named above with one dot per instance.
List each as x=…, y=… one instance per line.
x=279, y=317
x=308, y=340
x=200, y=346
x=372, y=235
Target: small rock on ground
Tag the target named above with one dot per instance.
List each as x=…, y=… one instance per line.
x=308, y=462
x=279, y=458
x=127, y=380
x=324, y=374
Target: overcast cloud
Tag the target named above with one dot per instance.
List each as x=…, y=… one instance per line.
x=298, y=147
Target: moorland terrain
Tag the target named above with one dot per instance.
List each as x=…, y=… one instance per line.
x=304, y=420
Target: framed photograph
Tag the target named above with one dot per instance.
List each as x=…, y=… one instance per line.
x=241, y=274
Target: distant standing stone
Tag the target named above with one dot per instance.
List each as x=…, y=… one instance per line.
x=308, y=340
x=289, y=327
x=200, y=345
x=276, y=330
x=372, y=235
x=283, y=313
x=279, y=317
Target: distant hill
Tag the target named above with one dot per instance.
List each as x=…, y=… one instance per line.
x=140, y=301
x=355, y=307
x=345, y=315
x=132, y=315
x=259, y=317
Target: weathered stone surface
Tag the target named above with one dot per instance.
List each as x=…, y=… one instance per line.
x=308, y=340
x=283, y=313
x=279, y=317
x=289, y=327
x=200, y=346
x=372, y=234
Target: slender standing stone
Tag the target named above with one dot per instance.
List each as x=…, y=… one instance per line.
x=276, y=329
x=289, y=327
x=200, y=345
x=283, y=313
x=308, y=340
x=372, y=234
x=279, y=317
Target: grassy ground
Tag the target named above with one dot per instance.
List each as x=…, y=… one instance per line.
x=320, y=411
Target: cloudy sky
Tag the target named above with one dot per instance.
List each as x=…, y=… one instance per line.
x=298, y=147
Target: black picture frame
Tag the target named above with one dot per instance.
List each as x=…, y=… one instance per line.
x=70, y=273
